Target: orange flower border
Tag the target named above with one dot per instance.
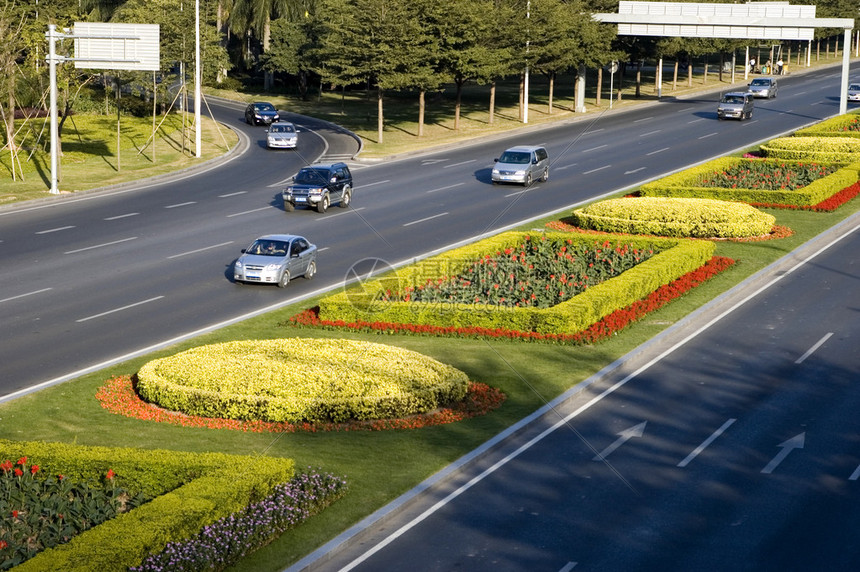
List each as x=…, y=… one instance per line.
x=118, y=396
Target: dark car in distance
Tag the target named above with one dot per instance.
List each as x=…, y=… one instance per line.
x=319, y=186
x=261, y=113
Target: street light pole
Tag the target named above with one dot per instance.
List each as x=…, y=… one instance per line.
x=526, y=79
x=197, y=79
x=52, y=78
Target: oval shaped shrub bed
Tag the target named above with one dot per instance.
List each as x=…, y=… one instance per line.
x=300, y=379
x=676, y=217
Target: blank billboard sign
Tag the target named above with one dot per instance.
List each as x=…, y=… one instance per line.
x=116, y=46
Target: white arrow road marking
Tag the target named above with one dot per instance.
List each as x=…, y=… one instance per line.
x=795, y=442
x=624, y=436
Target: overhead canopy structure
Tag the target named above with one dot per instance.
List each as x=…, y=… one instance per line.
x=751, y=21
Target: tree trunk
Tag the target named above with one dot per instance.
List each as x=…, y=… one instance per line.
x=689, y=71
x=638, y=78
x=268, y=77
x=705, y=74
x=551, y=86
x=675, y=76
x=599, y=86
x=457, y=105
x=379, y=120
x=522, y=95
x=421, y=113
x=492, y=102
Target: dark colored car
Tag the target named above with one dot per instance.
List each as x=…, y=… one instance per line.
x=275, y=259
x=261, y=113
x=319, y=186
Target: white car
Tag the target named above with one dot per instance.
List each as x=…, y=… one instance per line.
x=276, y=259
x=854, y=92
x=282, y=135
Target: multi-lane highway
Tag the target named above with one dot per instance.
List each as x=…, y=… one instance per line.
x=91, y=279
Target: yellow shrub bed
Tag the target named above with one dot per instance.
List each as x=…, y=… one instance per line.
x=676, y=217
x=300, y=379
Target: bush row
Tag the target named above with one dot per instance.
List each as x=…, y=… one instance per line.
x=300, y=379
x=698, y=218
x=192, y=491
x=826, y=149
x=840, y=126
x=361, y=303
x=683, y=184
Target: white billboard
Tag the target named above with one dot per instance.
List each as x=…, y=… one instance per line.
x=116, y=46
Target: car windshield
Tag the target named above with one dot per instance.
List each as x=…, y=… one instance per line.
x=733, y=99
x=312, y=177
x=854, y=87
x=264, y=107
x=760, y=82
x=281, y=128
x=265, y=247
x=515, y=157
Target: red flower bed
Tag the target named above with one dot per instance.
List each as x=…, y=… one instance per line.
x=118, y=396
x=597, y=331
x=829, y=204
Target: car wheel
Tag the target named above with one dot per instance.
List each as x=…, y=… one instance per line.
x=545, y=176
x=345, y=197
x=528, y=180
x=322, y=206
x=285, y=279
x=312, y=271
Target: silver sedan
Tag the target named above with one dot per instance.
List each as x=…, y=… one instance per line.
x=276, y=259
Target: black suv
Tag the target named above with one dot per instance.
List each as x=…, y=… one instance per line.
x=319, y=186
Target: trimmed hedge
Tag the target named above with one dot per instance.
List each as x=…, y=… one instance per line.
x=192, y=491
x=833, y=127
x=362, y=302
x=300, y=379
x=682, y=184
x=678, y=217
x=824, y=149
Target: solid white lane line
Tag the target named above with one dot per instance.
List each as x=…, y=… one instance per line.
x=705, y=443
x=445, y=188
x=101, y=245
x=425, y=219
x=177, y=205
x=24, y=295
x=249, y=212
x=811, y=350
x=54, y=229
x=117, y=217
x=205, y=248
x=93, y=317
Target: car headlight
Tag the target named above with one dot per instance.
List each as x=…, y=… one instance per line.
x=495, y=171
x=287, y=192
x=238, y=265
x=315, y=191
x=272, y=266
x=521, y=172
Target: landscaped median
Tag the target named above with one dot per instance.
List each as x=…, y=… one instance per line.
x=578, y=299
x=184, y=493
x=773, y=182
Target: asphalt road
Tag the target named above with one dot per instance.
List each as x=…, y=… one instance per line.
x=98, y=278
x=729, y=443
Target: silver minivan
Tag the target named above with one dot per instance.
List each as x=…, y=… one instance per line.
x=521, y=164
x=735, y=105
